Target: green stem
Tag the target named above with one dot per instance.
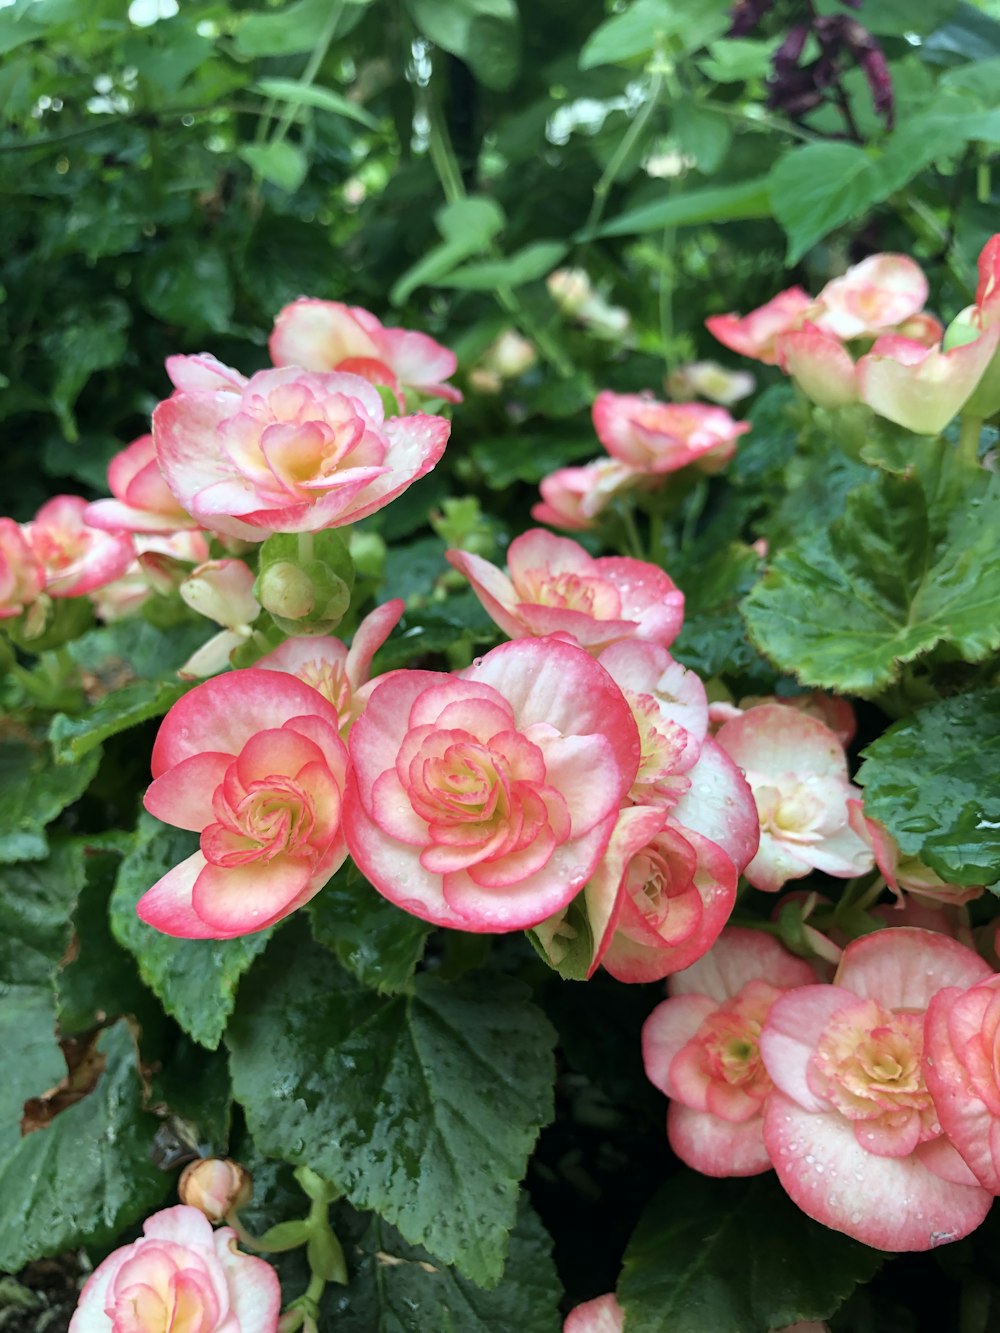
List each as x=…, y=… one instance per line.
x=618, y=158
x=311, y=70
x=984, y=185
x=969, y=434
x=306, y=547
x=667, y=295
x=632, y=538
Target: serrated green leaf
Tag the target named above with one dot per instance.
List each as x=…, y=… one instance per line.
x=913, y=562
x=33, y=792
x=195, y=980
x=283, y=164
x=88, y=1173
x=526, y=265
x=932, y=780
x=689, y=208
x=376, y=941
x=816, y=188
x=423, y=1107
x=398, y=1288
x=73, y=737
x=734, y=1257
x=713, y=638
x=311, y=94
x=36, y=904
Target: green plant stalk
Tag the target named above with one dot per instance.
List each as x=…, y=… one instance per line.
x=618, y=158
x=306, y=548
x=311, y=70
x=969, y=434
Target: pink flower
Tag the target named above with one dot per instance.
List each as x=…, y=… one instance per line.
x=871, y=297
x=922, y=388
x=820, y=365
x=831, y=709
x=851, y=1127
x=252, y=761
x=222, y=590
x=143, y=502
x=326, y=335
x=76, y=558
x=484, y=801
x=215, y=1186
x=180, y=1276
x=292, y=451
x=573, y=498
x=988, y=289
x=707, y=379
x=340, y=674
x=21, y=575
x=755, y=334
x=797, y=772
x=701, y=1048
x=963, y=1073
x=555, y=587
x=601, y=1315
x=655, y=437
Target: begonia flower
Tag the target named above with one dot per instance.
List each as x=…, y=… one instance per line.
x=215, y=1186
x=161, y=565
x=962, y=1038
x=290, y=451
x=655, y=437
x=180, y=1276
x=341, y=674
x=820, y=365
x=576, y=296
x=327, y=335
x=507, y=357
x=483, y=801
x=222, y=590
x=707, y=379
x=143, y=502
x=755, y=335
x=252, y=760
x=601, y=1315
x=907, y=873
x=75, y=557
x=701, y=1048
x=797, y=771
x=851, y=1126
x=22, y=577
x=922, y=388
x=833, y=710
x=553, y=586
x=574, y=498
x=872, y=297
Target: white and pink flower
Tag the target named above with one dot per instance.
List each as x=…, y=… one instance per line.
x=797, y=771
x=707, y=379
x=701, y=1048
x=143, y=502
x=601, y=1315
x=553, y=586
x=178, y=1277
x=289, y=451
x=222, y=590
x=75, y=557
x=327, y=335
x=656, y=438
x=252, y=760
x=921, y=387
x=851, y=1126
x=574, y=498
x=755, y=335
x=484, y=801
x=22, y=577
x=872, y=297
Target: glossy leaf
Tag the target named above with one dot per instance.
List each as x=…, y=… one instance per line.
x=33, y=792
x=374, y=939
x=74, y=736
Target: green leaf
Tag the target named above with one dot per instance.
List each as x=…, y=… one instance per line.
x=649, y=24
x=33, y=791
x=702, y=134
x=282, y=164
x=375, y=940
x=817, y=188
x=73, y=737
x=483, y=33
x=504, y=459
x=86, y=1175
x=468, y=226
x=33, y=1062
x=932, y=780
x=296, y=27
x=526, y=265
x=195, y=980
x=737, y=59
x=397, y=1288
x=188, y=286
x=713, y=638
x=734, y=1257
x=311, y=94
x=913, y=562
x=36, y=902
x=79, y=342
x=723, y=203
x=423, y=1107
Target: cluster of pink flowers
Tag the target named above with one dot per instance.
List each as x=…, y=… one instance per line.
x=646, y=440
x=866, y=338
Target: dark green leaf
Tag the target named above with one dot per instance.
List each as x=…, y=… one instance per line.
x=311, y=94
x=374, y=939
x=734, y=1257
x=33, y=791
x=932, y=780
x=526, y=456
x=818, y=187
x=195, y=980
x=81, y=341
x=713, y=638
x=73, y=737
x=36, y=903
x=483, y=33
x=88, y=1173
x=188, y=286
x=423, y=1107
x=468, y=226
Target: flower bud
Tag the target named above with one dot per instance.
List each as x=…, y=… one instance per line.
x=215, y=1186
x=287, y=591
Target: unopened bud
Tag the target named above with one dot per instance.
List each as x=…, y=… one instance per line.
x=215, y=1186
x=285, y=590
